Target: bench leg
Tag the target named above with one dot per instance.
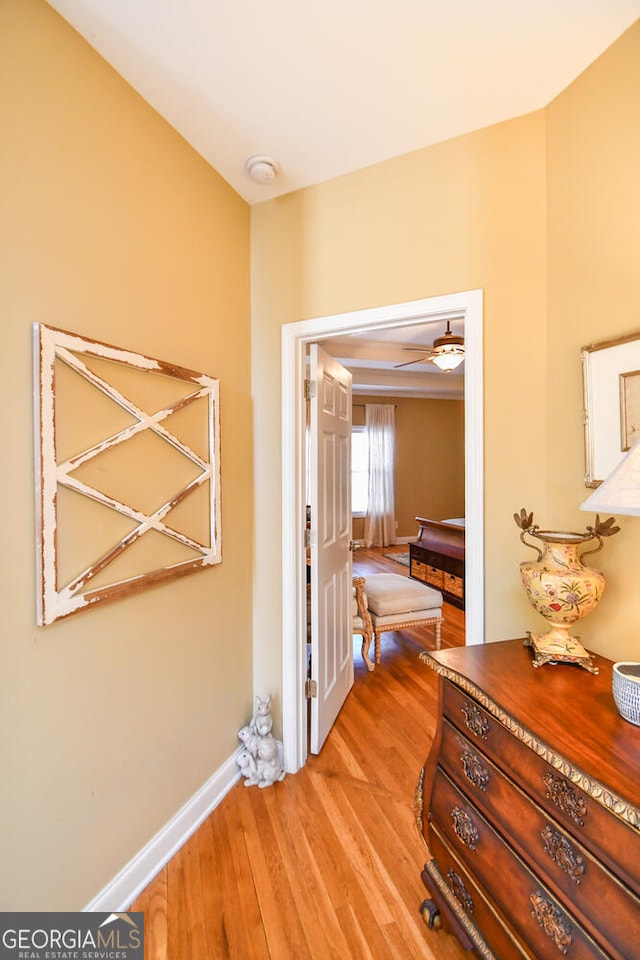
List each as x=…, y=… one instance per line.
x=438, y=634
x=366, y=643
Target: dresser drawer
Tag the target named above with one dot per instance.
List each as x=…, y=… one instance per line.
x=569, y=868
x=613, y=841
x=436, y=558
x=427, y=574
x=454, y=585
x=518, y=893
x=502, y=941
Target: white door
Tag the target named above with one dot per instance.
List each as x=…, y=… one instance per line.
x=330, y=494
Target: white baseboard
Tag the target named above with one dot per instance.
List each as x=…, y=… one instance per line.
x=405, y=539
x=119, y=893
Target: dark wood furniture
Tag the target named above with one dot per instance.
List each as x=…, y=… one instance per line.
x=530, y=806
x=437, y=558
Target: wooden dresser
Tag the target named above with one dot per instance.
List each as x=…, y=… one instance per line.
x=530, y=807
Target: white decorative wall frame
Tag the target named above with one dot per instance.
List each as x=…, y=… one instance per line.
x=611, y=390
x=127, y=472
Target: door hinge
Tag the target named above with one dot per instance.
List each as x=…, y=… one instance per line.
x=309, y=389
x=310, y=689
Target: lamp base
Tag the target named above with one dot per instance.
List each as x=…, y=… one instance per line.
x=552, y=648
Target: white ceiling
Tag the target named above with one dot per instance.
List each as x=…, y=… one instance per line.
x=329, y=88
x=332, y=88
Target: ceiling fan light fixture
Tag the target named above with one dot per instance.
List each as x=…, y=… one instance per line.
x=448, y=350
x=448, y=360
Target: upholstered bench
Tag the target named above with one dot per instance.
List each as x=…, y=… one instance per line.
x=396, y=602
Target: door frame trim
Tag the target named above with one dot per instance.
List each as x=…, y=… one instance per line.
x=295, y=336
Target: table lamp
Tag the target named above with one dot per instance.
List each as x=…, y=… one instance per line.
x=620, y=493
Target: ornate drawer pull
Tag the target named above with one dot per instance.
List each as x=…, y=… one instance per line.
x=552, y=920
x=564, y=796
x=418, y=801
x=563, y=853
x=474, y=770
x=460, y=892
x=475, y=721
x=465, y=828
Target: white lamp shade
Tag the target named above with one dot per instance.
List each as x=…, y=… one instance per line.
x=620, y=492
x=448, y=360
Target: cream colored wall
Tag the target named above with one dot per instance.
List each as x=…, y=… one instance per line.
x=464, y=214
x=429, y=470
x=594, y=294
x=113, y=227
x=476, y=212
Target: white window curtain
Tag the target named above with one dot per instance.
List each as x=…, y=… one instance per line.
x=380, y=521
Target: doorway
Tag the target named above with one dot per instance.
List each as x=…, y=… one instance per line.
x=295, y=337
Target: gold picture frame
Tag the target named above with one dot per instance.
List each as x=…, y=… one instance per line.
x=629, y=408
x=611, y=397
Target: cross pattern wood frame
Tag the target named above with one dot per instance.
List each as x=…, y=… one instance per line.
x=127, y=455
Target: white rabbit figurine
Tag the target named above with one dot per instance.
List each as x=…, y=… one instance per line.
x=248, y=768
x=260, y=760
x=262, y=721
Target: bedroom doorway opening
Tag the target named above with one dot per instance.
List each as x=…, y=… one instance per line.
x=295, y=338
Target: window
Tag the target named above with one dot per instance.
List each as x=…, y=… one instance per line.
x=359, y=471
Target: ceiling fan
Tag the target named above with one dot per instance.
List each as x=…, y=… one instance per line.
x=447, y=352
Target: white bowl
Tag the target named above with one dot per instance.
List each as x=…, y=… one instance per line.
x=626, y=689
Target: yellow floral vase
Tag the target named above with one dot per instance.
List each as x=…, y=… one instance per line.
x=561, y=587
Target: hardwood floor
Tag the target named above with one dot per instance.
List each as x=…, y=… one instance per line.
x=325, y=864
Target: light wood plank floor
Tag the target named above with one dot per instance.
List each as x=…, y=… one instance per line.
x=325, y=864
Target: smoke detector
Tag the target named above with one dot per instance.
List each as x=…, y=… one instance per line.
x=261, y=169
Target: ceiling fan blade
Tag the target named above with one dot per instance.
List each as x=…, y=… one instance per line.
x=408, y=363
